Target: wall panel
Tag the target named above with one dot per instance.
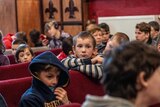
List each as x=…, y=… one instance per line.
x=8, y=16
x=28, y=12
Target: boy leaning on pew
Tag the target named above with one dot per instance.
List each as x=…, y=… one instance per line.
x=84, y=59
x=49, y=78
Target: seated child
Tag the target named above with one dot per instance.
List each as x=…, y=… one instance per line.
x=66, y=48
x=49, y=78
x=131, y=77
x=105, y=31
x=15, y=45
x=3, y=58
x=97, y=34
x=24, y=54
x=117, y=39
x=84, y=48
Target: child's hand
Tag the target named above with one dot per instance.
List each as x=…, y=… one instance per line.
x=45, y=42
x=61, y=95
x=97, y=59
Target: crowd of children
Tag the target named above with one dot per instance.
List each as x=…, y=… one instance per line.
x=124, y=67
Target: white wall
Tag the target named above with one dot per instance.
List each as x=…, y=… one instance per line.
x=125, y=24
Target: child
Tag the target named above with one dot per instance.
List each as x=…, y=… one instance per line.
x=155, y=28
x=56, y=36
x=117, y=39
x=90, y=24
x=97, y=34
x=49, y=76
x=84, y=48
x=9, y=38
x=105, y=31
x=3, y=58
x=66, y=48
x=131, y=77
x=37, y=38
x=24, y=54
x=143, y=33
x=15, y=45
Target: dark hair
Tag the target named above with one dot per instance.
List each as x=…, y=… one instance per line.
x=21, y=35
x=104, y=26
x=18, y=41
x=122, y=66
x=84, y=35
x=155, y=25
x=2, y=47
x=34, y=35
x=67, y=44
x=146, y=28
x=21, y=48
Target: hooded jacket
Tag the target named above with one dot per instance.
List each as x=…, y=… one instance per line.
x=40, y=95
x=106, y=101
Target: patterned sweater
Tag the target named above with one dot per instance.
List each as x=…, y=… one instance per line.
x=83, y=65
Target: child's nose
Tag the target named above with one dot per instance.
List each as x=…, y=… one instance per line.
x=54, y=81
x=25, y=56
x=83, y=49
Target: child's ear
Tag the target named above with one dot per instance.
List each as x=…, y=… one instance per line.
x=141, y=82
x=70, y=52
x=73, y=48
x=158, y=47
x=95, y=52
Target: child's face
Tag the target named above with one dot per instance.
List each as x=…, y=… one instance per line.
x=84, y=48
x=50, y=78
x=111, y=44
x=14, y=48
x=25, y=56
x=98, y=37
x=141, y=36
x=151, y=87
x=52, y=33
x=105, y=35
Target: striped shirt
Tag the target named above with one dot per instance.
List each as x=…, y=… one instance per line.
x=83, y=65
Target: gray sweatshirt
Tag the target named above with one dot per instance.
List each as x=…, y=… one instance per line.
x=105, y=101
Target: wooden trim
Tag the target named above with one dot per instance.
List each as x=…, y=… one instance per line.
x=16, y=16
x=61, y=9
x=73, y=23
x=41, y=15
x=82, y=7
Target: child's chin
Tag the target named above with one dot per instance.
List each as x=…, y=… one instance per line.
x=84, y=57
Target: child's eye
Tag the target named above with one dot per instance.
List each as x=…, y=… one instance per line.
x=28, y=54
x=88, y=46
x=79, y=46
x=49, y=76
x=21, y=55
